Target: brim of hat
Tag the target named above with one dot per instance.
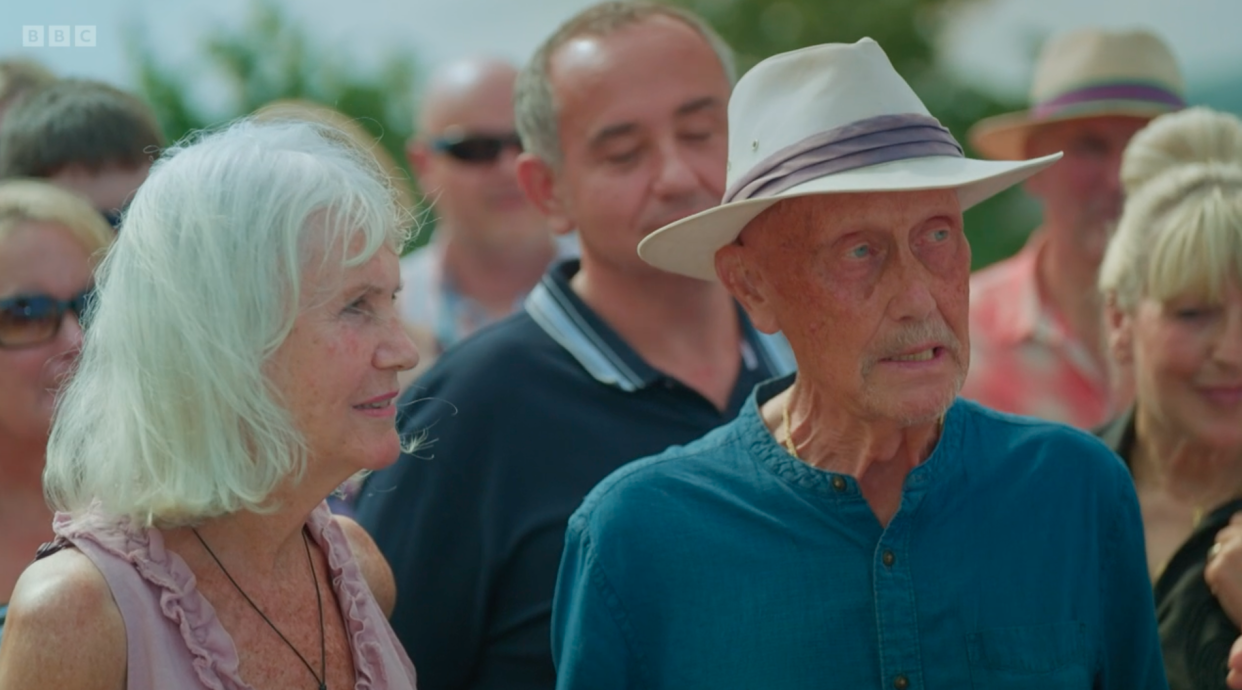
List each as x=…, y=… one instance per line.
x=688, y=247
x=1003, y=137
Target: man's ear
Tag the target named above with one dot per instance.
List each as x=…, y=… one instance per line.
x=539, y=183
x=746, y=285
x=1120, y=329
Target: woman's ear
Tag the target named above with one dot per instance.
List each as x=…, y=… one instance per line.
x=1119, y=325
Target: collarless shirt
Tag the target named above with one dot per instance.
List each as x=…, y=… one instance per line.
x=1024, y=359
x=520, y=422
x=1015, y=561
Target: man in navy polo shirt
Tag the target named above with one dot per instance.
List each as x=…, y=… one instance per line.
x=622, y=113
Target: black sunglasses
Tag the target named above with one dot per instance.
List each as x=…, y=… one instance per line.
x=477, y=148
x=30, y=320
x=114, y=216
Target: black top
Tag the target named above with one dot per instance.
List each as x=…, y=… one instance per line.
x=521, y=421
x=1195, y=632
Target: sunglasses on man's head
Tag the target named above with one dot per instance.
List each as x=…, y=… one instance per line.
x=30, y=320
x=476, y=148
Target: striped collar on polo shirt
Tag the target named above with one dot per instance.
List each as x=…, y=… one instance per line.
x=609, y=359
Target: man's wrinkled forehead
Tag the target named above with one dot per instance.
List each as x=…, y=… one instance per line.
x=788, y=218
x=821, y=216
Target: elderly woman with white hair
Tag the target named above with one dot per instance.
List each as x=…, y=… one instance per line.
x=1172, y=282
x=241, y=362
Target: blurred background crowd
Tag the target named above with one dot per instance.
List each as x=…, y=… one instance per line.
x=198, y=63
x=429, y=89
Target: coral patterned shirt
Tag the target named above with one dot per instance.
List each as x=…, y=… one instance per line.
x=1023, y=357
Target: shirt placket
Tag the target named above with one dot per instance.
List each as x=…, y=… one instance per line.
x=896, y=608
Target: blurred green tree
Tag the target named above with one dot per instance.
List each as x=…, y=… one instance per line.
x=907, y=30
x=270, y=58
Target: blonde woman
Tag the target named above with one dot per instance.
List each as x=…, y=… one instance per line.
x=49, y=243
x=1172, y=282
x=241, y=362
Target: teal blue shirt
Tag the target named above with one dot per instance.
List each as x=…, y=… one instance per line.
x=1016, y=560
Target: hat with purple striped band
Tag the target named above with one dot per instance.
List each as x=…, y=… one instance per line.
x=828, y=119
x=1088, y=73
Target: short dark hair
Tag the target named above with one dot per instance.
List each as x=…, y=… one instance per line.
x=535, y=105
x=76, y=122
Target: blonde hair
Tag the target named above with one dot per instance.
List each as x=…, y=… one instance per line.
x=1181, y=231
x=170, y=417
x=32, y=201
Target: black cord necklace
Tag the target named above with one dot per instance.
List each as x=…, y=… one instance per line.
x=322, y=676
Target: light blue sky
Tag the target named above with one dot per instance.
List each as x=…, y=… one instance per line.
x=990, y=42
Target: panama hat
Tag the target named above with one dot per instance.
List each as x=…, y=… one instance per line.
x=1088, y=73
x=827, y=119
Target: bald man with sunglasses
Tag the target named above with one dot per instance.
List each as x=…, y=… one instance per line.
x=490, y=245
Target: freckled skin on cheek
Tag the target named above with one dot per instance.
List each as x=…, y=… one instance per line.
x=341, y=353
x=854, y=279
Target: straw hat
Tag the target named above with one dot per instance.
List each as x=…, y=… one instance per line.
x=822, y=120
x=1088, y=73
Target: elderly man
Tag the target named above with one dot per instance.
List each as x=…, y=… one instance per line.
x=858, y=527
x=491, y=245
x=622, y=113
x=1035, y=318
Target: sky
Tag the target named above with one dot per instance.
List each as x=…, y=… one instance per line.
x=990, y=42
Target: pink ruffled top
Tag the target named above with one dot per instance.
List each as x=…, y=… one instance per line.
x=173, y=635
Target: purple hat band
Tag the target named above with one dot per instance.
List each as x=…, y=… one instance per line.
x=872, y=141
x=1143, y=93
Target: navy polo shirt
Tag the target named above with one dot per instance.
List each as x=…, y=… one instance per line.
x=520, y=422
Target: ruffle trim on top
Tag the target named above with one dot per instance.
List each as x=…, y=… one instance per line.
x=358, y=606
x=214, y=654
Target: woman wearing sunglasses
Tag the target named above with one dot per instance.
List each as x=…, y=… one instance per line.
x=240, y=363
x=49, y=242
x=1172, y=281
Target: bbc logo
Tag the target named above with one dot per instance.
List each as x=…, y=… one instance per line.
x=62, y=36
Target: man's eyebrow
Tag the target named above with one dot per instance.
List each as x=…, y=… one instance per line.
x=627, y=128
x=613, y=132
x=697, y=105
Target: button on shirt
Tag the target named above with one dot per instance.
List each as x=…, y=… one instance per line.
x=1015, y=561
x=1023, y=357
x=521, y=421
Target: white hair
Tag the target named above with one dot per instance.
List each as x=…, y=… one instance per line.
x=1181, y=231
x=170, y=417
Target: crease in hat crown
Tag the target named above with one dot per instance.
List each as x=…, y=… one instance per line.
x=842, y=70
x=802, y=99
x=1088, y=73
